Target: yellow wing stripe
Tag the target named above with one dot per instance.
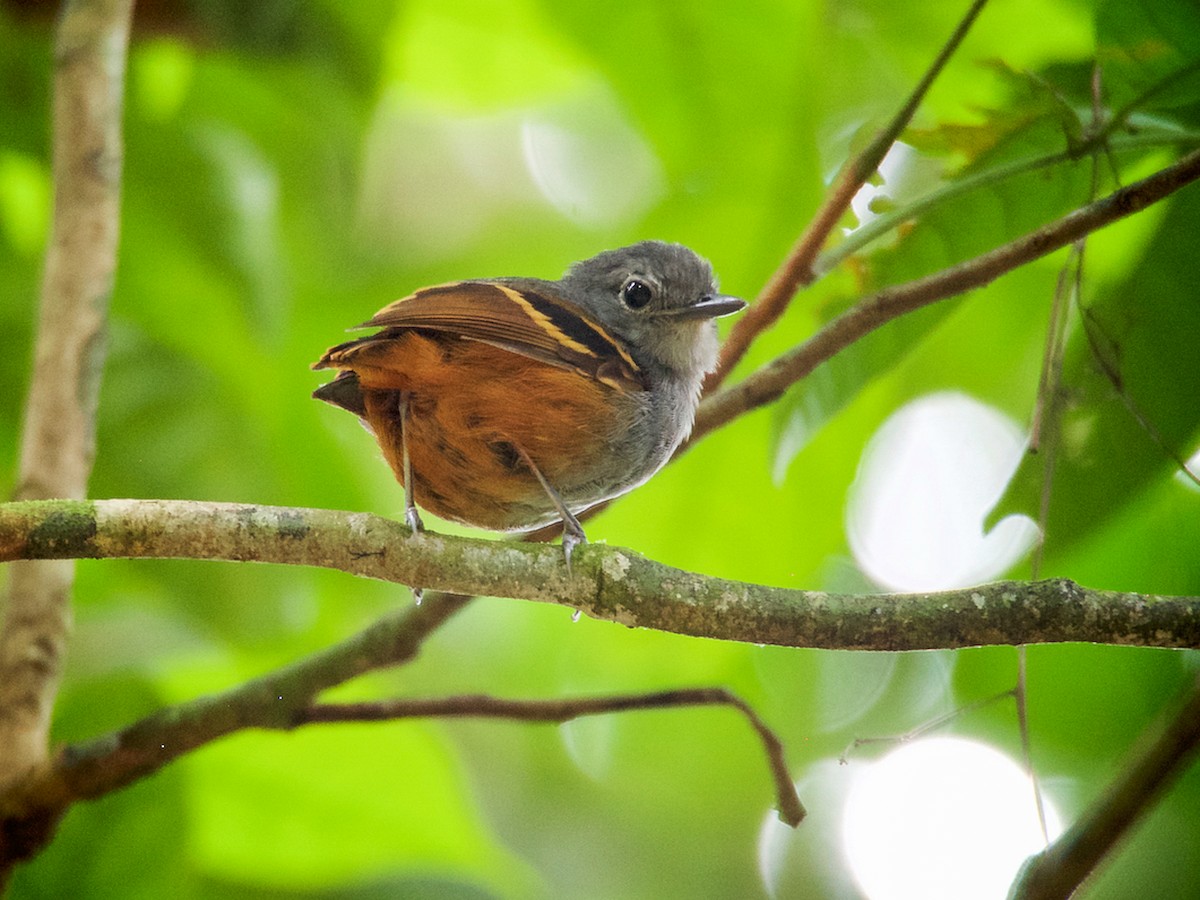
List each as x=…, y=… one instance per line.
x=616, y=345
x=543, y=322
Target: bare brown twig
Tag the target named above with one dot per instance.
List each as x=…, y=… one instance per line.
x=559, y=710
x=796, y=270
x=768, y=383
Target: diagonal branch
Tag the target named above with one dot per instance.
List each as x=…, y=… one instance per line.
x=1061, y=869
x=770, y=382
x=30, y=811
x=609, y=583
x=58, y=439
x=797, y=269
x=560, y=710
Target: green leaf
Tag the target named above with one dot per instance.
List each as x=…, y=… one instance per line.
x=1149, y=54
x=1129, y=386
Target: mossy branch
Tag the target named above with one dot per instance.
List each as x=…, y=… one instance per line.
x=609, y=583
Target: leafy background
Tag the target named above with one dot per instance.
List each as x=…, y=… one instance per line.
x=292, y=167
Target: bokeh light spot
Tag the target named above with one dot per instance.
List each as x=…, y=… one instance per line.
x=1191, y=477
x=928, y=477
x=590, y=164
x=941, y=818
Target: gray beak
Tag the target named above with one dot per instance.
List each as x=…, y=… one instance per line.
x=710, y=306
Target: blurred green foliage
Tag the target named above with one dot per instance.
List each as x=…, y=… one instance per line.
x=290, y=168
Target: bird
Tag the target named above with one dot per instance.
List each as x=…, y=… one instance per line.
x=510, y=403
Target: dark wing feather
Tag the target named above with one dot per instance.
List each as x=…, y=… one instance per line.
x=344, y=391
x=526, y=320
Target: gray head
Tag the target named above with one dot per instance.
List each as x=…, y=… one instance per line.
x=660, y=299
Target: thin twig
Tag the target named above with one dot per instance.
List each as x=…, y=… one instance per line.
x=1093, y=331
x=770, y=382
x=1047, y=419
x=797, y=269
x=924, y=728
x=1048, y=410
x=1049, y=379
x=884, y=223
x=560, y=710
x=1062, y=868
x=1020, y=695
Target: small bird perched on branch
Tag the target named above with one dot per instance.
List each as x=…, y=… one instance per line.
x=509, y=403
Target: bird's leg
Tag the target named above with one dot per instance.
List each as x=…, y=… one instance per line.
x=412, y=518
x=572, y=535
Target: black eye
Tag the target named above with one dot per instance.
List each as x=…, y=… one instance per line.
x=636, y=294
